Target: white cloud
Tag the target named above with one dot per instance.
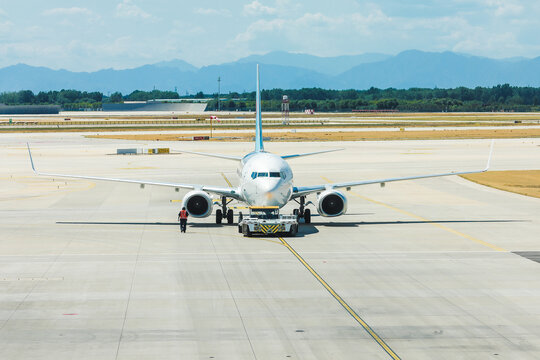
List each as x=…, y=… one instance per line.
x=505, y=7
x=127, y=9
x=255, y=8
x=318, y=20
x=260, y=26
x=492, y=28
x=221, y=12
x=202, y=11
x=68, y=11
x=315, y=28
x=5, y=27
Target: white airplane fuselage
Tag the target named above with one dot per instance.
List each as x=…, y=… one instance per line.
x=265, y=179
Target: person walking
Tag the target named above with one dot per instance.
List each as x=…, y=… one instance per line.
x=182, y=216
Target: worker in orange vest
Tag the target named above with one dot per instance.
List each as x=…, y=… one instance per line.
x=182, y=216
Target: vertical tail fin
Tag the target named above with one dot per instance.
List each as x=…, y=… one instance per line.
x=258, y=120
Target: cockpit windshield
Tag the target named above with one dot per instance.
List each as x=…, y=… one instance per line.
x=273, y=174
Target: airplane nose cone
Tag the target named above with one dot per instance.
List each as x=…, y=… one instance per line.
x=269, y=186
x=269, y=193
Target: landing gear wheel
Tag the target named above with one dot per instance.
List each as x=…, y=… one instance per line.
x=239, y=229
x=219, y=216
x=245, y=230
x=307, y=216
x=295, y=212
x=240, y=217
x=230, y=216
x=293, y=231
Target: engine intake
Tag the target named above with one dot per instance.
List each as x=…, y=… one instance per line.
x=198, y=204
x=332, y=203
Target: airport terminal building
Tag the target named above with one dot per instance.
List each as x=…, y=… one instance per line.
x=173, y=105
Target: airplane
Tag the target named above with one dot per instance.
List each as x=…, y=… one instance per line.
x=266, y=179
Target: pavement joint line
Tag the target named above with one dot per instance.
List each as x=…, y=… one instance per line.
x=427, y=221
x=135, y=265
x=342, y=302
x=220, y=262
x=35, y=284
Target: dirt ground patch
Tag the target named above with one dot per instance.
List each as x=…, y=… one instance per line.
x=340, y=135
x=524, y=182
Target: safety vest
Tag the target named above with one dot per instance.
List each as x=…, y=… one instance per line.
x=183, y=214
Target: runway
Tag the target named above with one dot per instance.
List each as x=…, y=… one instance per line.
x=432, y=269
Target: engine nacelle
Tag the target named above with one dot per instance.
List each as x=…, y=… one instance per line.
x=331, y=203
x=198, y=204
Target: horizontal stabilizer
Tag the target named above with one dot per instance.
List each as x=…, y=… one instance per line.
x=220, y=156
x=308, y=154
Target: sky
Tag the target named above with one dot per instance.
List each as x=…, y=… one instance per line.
x=92, y=35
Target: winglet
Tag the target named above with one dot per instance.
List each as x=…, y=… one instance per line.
x=31, y=160
x=258, y=120
x=490, y=153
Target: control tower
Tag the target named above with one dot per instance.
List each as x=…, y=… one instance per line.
x=285, y=110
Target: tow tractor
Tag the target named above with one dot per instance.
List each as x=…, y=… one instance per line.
x=266, y=220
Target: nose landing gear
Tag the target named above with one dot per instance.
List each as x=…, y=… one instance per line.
x=302, y=212
x=224, y=213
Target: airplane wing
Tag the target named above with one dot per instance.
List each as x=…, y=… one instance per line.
x=239, y=158
x=308, y=154
x=223, y=191
x=220, y=156
x=305, y=190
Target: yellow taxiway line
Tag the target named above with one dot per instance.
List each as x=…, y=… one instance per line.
x=342, y=302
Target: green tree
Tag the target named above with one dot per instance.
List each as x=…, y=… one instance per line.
x=116, y=97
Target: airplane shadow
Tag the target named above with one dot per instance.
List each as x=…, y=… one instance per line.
x=366, y=223
x=304, y=229
x=194, y=225
x=207, y=225
x=117, y=223
x=344, y=215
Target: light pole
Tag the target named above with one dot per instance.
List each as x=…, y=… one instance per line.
x=218, y=91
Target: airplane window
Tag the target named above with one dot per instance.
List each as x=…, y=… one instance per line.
x=253, y=175
x=275, y=174
x=262, y=174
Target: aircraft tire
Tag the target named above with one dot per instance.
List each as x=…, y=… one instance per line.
x=245, y=230
x=219, y=216
x=230, y=216
x=307, y=216
x=293, y=231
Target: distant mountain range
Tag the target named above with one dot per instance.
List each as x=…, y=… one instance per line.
x=408, y=69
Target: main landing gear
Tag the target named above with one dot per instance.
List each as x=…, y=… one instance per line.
x=302, y=212
x=223, y=213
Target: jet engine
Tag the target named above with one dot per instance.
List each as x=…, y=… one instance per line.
x=331, y=203
x=198, y=204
